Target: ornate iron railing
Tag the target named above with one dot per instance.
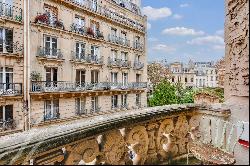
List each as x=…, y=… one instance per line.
x=13, y=47
x=138, y=65
x=60, y=86
x=81, y=111
x=104, y=11
x=45, y=52
x=137, y=45
x=78, y=29
x=95, y=110
x=119, y=40
x=95, y=59
x=129, y=5
x=7, y=89
x=7, y=124
x=45, y=18
x=118, y=63
x=78, y=56
x=11, y=12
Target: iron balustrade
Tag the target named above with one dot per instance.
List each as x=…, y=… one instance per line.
x=138, y=65
x=7, y=125
x=118, y=63
x=49, y=20
x=138, y=45
x=49, y=115
x=45, y=52
x=95, y=110
x=61, y=86
x=81, y=111
x=79, y=56
x=11, y=12
x=95, y=59
x=104, y=11
x=7, y=89
x=129, y=5
x=78, y=29
x=119, y=40
x=11, y=47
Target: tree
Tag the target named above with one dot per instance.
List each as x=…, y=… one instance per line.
x=157, y=73
x=164, y=94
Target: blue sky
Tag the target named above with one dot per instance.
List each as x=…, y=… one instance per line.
x=179, y=30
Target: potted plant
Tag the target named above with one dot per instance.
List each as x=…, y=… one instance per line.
x=35, y=76
x=42, y=18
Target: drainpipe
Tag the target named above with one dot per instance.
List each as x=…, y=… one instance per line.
x=26, y=63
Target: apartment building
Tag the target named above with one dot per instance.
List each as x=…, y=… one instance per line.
x=194, y=74
x=78, y=58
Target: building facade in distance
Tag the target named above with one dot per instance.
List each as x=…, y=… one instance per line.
x=77, y=58
x=194, y=74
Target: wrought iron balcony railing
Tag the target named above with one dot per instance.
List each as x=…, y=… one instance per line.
x=129, y=5
x=95, y=110
x=95, y=59
x=7, y=125
x=138, y=65
x=118, y=63
x=60, y=86
x=119, y=40
x=106, y=12
x=11, y=12
x=52, y=115
x=47, y=19
x=137, y=45
x=44, y=52
x=13, y=47
x=78, y=29
x=78, y=56
x=124, y=106
x=10, y=89
x=81, y=111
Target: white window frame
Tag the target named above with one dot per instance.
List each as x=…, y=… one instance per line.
x=4, y=112
x=124, y=79
x=80, y=105
x=114, y=77
x=124, y=99
x=50, y=43
x=53, y=110
x=94, y=103
x=114, y=101
x=81, y=47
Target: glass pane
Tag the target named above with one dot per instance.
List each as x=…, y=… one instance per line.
x=8, y=112
x=82, y=76
x=78, y=76
x=1, y=113
x=9, y=40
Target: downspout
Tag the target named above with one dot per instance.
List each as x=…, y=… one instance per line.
x=27, y=63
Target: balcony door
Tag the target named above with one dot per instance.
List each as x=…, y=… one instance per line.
x=114, y=77
x=51, y=109
x=51, y=77
x=94, y=5
x=94, y=103
x=138, y=78
x=124, y=56
x=114, y=55
x=124, y=79
x=94, y=26
x=6, y=113
x=6, y=9
x=80, y=77
x=6, y=40
x=124, y=99
x=6, y=78
x=137, y=58
x=50, y=45
x=114, y=101
x=94, y=76
x=52, y=13
x=80, y=22
x=80, y=106
x=95, y=53
x=80, y=50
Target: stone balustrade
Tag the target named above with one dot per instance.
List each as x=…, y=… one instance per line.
x=92, y=140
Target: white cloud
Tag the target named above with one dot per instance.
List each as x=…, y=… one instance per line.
x=163, y=48
x=184, y=5
x=219, y=47
x=156, y=13
x=182, y=31
x=153, y=39
x=177, y=16
x=207, y=40
x=220, y=32
x=149, y=25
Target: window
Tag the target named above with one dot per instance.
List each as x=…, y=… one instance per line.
x=6, y=9
x=186, y=80
x=80, y=50
x=124, y=56
x=52, y=12
x=6, y=113
x=138, y=78
x=192, y=80
x=94, y=104
x=80, y=106
x=138, y=100
x=113, y=32
x=114, y=101
x=137, y=58
x=94, y=76
x=80, y=77
x=50, y=45
x=6, y=78
x=179, y=78
x=114, y=55
x=173, y=79
x=6, y=40
x=212, y=78
x=95, y=54
x=94, y=5
x=51, y=75
x=124, y=79
x=81, y=2
x=51, y=109
x=124, y=99
x=79, y=21
x=123, y=35
x=114, y=77
x=94, y=26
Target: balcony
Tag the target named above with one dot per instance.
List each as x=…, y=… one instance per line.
x=10, y=12
x=60, y=86
x=119, y=40
x=81, y=111
x=10, y=89
x=118, y=63
x=138, y=65
x=138, y=46
x=95, y=110
x=49, y=53
x=7, y=125
x=107, y=13
x=46, y=19
x=11, y=48
x=95, y=59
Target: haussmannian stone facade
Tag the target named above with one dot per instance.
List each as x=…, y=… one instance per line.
x=82, y=58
